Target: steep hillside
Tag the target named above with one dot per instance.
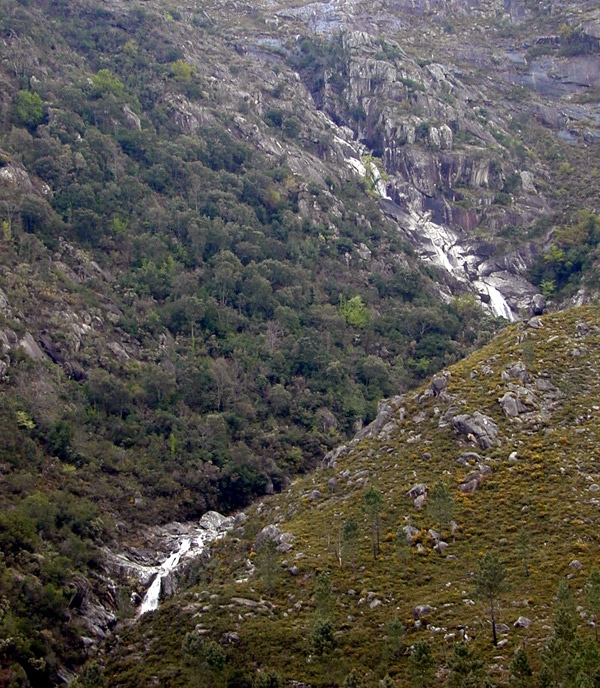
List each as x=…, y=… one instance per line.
x=523, y=480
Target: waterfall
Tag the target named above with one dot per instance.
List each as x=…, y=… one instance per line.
x=152, y=596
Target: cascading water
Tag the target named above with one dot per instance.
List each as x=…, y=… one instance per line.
x=188, y=541
x=446, y=249
x=152, y=596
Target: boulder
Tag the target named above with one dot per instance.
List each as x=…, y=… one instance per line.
x=331, y=457
x=511, y=405
x=29, y=346
x=271, y=531
x=411, y=533
x=516, y=371
x=332, y=484
x=438, y=385
x=478, y=426
x=471, y=456
x=535, y=323
x=576, y=565
x=538, y=304
x=470, y=487
x=420, y=501
x=421, y=611
x=522, y=622
x=212, y=520
x=417, y=491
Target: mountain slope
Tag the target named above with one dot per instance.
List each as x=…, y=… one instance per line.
x=537, y=474
x=228, y=230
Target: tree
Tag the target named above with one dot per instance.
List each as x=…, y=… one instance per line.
x=395, y=637
x=355, y=311
x=565, y=620
x=593, y=596
x=420, y=665
x=29, y=109
x=354, y=680
x=387, y=682
x=466, y=668
x=322, y=637
x=267, y=679
x=267, y=563
x=440, y=505
x=520, y=668
x=372, y=505
x=350, y=535
x=205, y=657
x=489, y=583
x=322, y=596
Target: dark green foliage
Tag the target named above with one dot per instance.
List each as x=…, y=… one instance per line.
x=267, y=563
x=490, y=581
x=322, y=637
x=570, y=255
x=466, y=668
x=372, y=505
x=421, y=665
x=354, y=680
x=267, y=679
x=522, y=674
x=440, y=505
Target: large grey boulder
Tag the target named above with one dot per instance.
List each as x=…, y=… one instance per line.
x=538, y=303
x=271, y=531
x=4, y=304
x=421, y=611
x=478, y=426
x=438, y=385
x=213, y=520
x=411, y=533
x=516, y=371
x=417, y=491
x=29, y=346
x=511, y=405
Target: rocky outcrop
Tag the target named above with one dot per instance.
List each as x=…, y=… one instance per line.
x=478, y=428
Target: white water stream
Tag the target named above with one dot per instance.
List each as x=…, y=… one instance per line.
x=442, y=246
x=190, y=544
x=152, y=596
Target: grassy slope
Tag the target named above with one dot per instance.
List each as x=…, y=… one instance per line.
x=546, y=491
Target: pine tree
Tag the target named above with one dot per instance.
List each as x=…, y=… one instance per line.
x=520, y=668
x=267, y=561
x=466, y=668
x=593, y=596
x=490, y=581
x=421, y=665
x=350, y=535
x=395, y=636
x=372, y=505
x=524, y=547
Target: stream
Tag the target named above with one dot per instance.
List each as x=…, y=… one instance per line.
x=171, y=547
